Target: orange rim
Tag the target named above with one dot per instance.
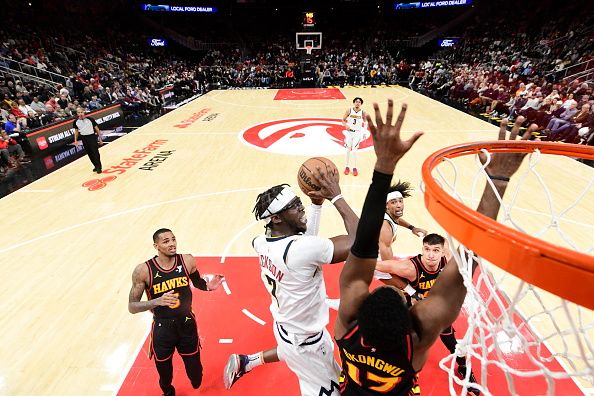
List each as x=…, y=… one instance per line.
x=566, y=273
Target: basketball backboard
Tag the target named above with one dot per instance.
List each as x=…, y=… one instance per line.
x=311, y=40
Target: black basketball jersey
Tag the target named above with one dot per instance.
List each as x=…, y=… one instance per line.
x=162, y=281
x=367, y=371
x=425, y=278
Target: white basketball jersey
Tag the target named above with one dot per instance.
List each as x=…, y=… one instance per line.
x=355, y=120
x=292, y=273
x=392, y=224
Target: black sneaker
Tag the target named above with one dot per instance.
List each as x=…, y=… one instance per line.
x=462, y=373
x=234, y=369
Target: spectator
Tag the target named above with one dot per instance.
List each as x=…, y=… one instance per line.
x=557, y=122
x=25, y=108
x=9, y=147
x=94, y=103
x=37, y=106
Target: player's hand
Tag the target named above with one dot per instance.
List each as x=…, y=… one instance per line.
x=317, y=201
x=415, y=298
x=168, y=299
x=76, y=143
x=328, y=180
x=419, y=232
x=388, y=145
x=100, y=142
x=506, y=164
x=213, y=281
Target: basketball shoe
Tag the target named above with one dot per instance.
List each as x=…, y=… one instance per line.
x=355, y=173
x=234, y=369
x=347, y=170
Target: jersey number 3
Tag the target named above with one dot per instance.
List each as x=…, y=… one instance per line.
x=384, y=384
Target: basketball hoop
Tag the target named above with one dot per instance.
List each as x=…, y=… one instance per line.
x=533, y=341
x=308, y=48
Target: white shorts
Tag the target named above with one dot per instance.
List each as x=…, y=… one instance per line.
x=352, y=139
x=313, y=364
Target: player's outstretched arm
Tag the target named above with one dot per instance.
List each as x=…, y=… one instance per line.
x=207, y=282
x=330, y=190
x=443, y=304
x=399, y=267
x=360, y=264
x=418, y=231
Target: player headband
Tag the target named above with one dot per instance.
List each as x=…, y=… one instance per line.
x=278, y=203
x=393, y=195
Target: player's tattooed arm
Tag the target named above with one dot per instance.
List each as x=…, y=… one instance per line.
x=139, y=282
x=206, y=282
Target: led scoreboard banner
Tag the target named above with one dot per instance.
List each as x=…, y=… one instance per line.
x=431, y=4
x=177, y=8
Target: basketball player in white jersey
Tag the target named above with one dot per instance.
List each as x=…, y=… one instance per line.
x=291, y=270
x=392, y=220
x=354, y=133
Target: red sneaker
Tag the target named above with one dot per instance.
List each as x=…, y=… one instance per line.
x=355, y=173
x=347, y=170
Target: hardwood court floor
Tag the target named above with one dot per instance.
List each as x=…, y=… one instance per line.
x=69, y=250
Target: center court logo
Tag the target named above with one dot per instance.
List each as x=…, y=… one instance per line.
x=300, y=136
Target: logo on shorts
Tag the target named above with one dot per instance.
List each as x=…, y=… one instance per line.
x=300, y=136
x=98, y=184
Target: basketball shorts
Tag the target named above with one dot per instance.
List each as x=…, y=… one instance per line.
x=353, y=138
x=179, y=333
x=311, y=358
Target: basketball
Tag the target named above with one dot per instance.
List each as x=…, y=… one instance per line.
x=305, y=176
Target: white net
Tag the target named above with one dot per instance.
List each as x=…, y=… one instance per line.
x=519, y=339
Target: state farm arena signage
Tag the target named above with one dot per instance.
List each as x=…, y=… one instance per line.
x=62, y=133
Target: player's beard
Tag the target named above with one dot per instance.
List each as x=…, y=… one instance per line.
x=303, y=222
x=299, y=224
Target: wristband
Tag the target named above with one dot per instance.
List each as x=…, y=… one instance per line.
x=409, y=290
x=336, y=198
x=411, y=227
x=495, y=177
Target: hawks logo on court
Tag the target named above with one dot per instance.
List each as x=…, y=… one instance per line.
x=98, y=184
x=300, y=136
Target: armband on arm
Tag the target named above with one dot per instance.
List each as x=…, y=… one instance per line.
x=412, y=292
x=313, y=221
x=198, y=282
